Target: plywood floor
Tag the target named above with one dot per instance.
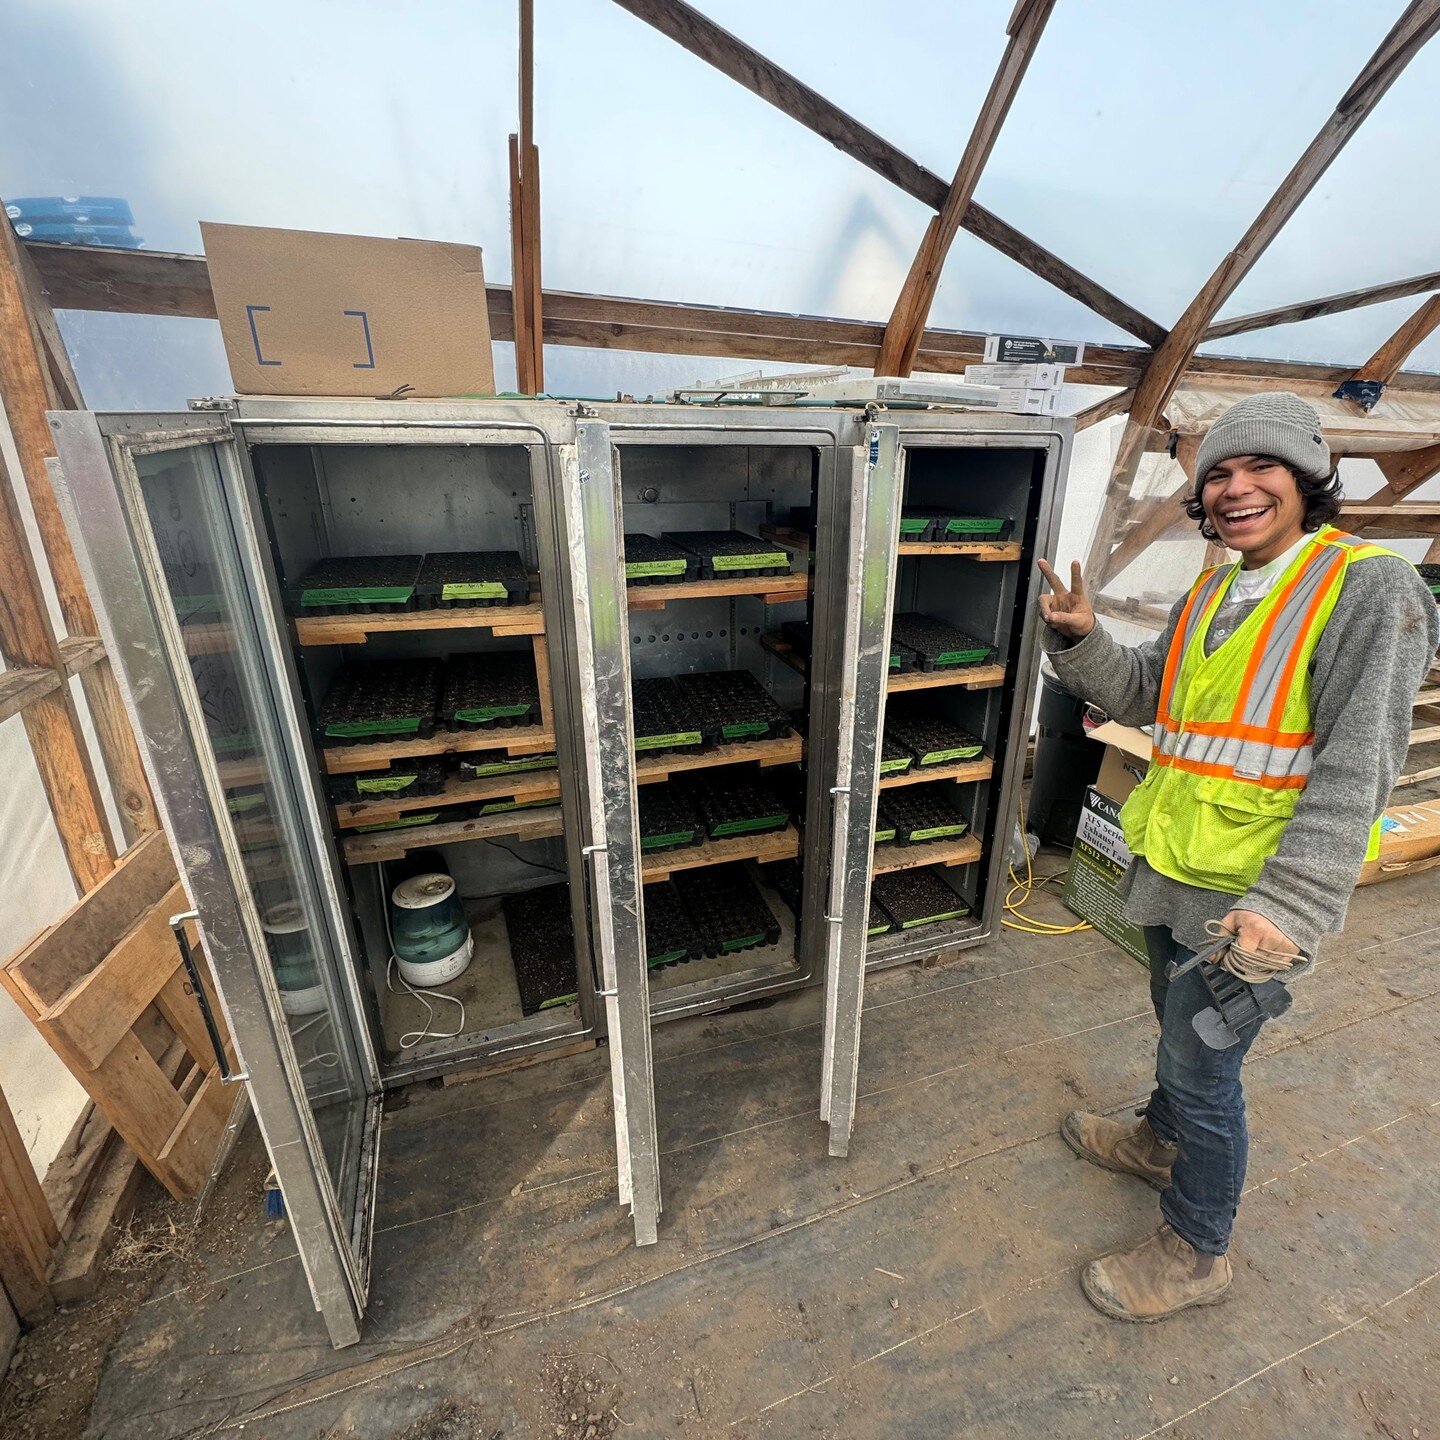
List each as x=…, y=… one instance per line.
x=925, y=1287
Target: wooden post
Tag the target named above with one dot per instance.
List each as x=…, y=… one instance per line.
x=27, y=1229
x=525, y=222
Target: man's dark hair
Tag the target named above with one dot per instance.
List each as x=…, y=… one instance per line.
x=1320, y=496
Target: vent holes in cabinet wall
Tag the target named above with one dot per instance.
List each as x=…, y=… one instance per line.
x=680, y=637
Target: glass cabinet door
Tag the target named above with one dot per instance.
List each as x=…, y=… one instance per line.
x=874, y=521
x=155, y=506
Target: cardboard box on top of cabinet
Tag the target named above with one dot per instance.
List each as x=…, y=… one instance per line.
x=306, y=313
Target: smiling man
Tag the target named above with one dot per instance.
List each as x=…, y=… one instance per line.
x=1281, y=694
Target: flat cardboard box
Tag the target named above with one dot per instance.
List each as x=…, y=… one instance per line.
x=1409, y=842
x=1027, y=377
x=1019, y=401
x=1127, y=758
x=1097, y=864
x=303, y=313
x=1028, y=350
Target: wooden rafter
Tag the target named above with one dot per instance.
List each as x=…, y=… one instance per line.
x=730, y=55
x=528, y=302
x=1105, y=409
x=912, y=308
x=1167, y=366
x=1383, y=366
x=1325, y=305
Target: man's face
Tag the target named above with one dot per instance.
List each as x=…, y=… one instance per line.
x=1254, y=505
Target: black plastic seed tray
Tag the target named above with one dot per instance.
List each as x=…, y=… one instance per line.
x=649, y=561
x=731, y=554
x=408, y=779
x=734, y=805
x=667, y=818
x=728, y=911
x=483, y=692
x=930, y=738
x=922, y=812
x=880, y=923
x=503, y=807
x=463, y=578
x=933, y=522
x=542, y=946
x=670, y=934
x=894, y=759
x=938, y=646
x=373, y=700
x=408, y=822
x=796, y=634
x=353, y=584
x=916, y=897
x=665, y=717
x=732, y=705
x=1430, y=574
x=786, y=878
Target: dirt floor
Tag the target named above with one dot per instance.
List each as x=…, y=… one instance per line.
x=925, y=1287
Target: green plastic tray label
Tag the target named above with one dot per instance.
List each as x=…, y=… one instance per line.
x=882, y=835
x=668, y=958
x=559, y=1000
x=675, y=837
x=761, y=560
x=933, y=919
x=498, y=807
x=741, y=942
x=960, y=752
x=961, y=657
x=974, y=525
x=639, y=569
x=481, y=713
x=895, y=767
x=661, y=742
x=877, y=930
x=937, y=832
x=748, y=827
x=894, y=661
x=385, y=784
x=239, y=804
x=474, y=590
x=403, y=821
x=351, y=729
x=912, y=527
x=358, y=595
x=747, y=727
x=508, y=767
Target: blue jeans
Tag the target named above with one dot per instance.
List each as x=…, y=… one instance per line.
x=1198, y=1105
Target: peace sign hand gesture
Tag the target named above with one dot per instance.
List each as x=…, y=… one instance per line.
x=1067, y=611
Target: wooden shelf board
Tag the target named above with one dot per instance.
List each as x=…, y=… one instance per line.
x=787, y=751
x=772, y=589
x=1424, y=735
x=985, y=551
x=783, y=650
x=500, y=620
x=525, y=785
x=520, y=740
x=797, y=541
x=963, y=771
x=392, y=844
x=774, y=845
x=890, y=856
x=971, y=677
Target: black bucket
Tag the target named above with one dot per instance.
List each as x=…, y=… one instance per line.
x=1066, y=764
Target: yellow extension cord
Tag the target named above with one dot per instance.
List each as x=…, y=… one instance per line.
x=1028, y=924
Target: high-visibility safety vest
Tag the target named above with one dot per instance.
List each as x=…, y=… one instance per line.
x=1234, y=740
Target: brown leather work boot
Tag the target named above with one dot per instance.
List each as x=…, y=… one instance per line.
x=1160, y=1276
x=1131, y=1149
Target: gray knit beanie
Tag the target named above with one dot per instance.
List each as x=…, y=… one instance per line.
x=1274, y=423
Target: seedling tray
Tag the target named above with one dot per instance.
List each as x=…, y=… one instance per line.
x=485, y=692
x=403, y=822
x=938, y=646
x=735, y=805
x=731, y=554
x=797, y=634
x=410, y=779
x=916, y=897
x=667, y=819
x=670, y=935
x=927, y=522
x=484, y=768
x=894, y=758
x=542, y=946
x=920, y=813
x=380, y=700
x=649, y=561
x=931, y=739
x=353, y=584
x=503, y=807
x=732, y=705
x=467, y=578
x=665, y=717
x=728, y=911
x=786, y=878
x=1430, y=574
x=880, y=923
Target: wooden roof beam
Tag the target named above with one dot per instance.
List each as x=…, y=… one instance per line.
x=1326, y=305
x=912, y=308
x=1367, y=384
x=706, y=40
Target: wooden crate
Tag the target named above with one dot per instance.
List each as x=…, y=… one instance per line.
x=106, y=988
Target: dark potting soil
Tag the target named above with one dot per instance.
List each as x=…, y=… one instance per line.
x=422, y=775
x=472, y=577
x=930, y=737
x=347, y=584
x=786, y=878
x=728, y=911
x=894, y=759
x=667, y=818
x=542, y=946
x=733, y=705
x=649, y=561
x=484, y=691
x=380, y=700
x=670, y=935
x=939, y=646
x=665, y=717
x=1430, y=574
x=922, y=812
x=916, y=897
x=725, y=554
x=732, y=804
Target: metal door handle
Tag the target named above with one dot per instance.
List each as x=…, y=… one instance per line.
x=192, y=971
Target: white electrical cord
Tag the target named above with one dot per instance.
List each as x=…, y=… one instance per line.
x=412, y=1038
x=328, y=1059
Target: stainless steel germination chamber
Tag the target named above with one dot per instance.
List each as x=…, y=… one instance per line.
x=488, y=728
